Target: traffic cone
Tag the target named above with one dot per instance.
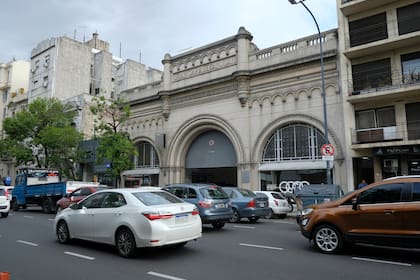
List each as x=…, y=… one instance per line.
x=4, y=276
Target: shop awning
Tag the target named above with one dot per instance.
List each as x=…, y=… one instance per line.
x=141, y=171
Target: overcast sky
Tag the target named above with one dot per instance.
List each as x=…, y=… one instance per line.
x=148, y=29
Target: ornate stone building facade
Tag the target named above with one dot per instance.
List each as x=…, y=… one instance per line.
x=232, y=114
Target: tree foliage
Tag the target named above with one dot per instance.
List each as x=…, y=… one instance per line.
x=115, y=146
x=42, y=135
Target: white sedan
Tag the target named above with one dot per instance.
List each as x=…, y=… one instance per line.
x=278, y=203
x=130, y=219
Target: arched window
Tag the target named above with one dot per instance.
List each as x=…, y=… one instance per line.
x=294, y=142
x=147, y=156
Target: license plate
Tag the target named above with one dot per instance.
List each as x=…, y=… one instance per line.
x=220, y=205
x=181, y=218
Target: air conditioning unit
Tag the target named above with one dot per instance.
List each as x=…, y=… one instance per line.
x=45, y=84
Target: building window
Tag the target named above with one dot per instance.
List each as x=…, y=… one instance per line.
x=374, y=74
x=294, y=141
x=408, y=19
x=410, y=64
x=375, y=118
x=413, y=120
x=366, y=30
x=147, y=156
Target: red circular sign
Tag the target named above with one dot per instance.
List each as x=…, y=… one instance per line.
x=327, y=150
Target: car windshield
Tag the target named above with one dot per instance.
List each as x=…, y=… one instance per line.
x=214, y=193
x=156, y=198
x=247, y=193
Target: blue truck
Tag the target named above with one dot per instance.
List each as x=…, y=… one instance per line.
x=42, y=187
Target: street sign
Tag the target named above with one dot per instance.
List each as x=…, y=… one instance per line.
x=327, y=150
x=327, y=157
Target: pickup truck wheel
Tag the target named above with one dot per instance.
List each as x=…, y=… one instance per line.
x=15, y=205
x=125, y=243
x=327, y=239
x=62, y=231
x=47, y=205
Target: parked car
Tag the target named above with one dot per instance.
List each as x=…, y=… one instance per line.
x=212, y=202
x=4, y=202
x=130, y=219
x=382, y=213
x=76, y=196
x=279, y=206
x=246, y=204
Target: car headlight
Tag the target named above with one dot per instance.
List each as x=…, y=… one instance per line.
x=307, y=211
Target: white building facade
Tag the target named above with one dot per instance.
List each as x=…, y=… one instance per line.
x=232, y=114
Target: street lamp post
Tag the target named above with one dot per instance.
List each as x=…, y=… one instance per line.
x=324, y=98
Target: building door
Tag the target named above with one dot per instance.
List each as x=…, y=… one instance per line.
x=211, y=158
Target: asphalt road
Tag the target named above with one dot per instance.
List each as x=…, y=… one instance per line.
x=269, y=249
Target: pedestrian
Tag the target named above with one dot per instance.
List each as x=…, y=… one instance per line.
x=362, y=184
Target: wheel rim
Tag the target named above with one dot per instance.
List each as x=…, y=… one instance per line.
x=327, y=239
x=235, y=216
x=62, y=232
x=125, y=243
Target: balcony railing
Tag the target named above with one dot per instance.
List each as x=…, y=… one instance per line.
x=374, y=84
x=384, y=134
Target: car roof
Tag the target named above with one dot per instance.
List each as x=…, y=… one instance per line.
x=193, y=185
x=132, y=190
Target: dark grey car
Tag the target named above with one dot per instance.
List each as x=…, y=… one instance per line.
x=212, y=202
x=246, y=204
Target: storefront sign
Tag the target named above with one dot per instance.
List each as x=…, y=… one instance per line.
x=400, y=150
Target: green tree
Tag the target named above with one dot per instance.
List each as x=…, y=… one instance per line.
x=42, y=135
x=115, y=146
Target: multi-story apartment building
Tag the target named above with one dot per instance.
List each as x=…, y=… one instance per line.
x=232, y=114
x=75, y=71
x=379, y=43
x=14, y=79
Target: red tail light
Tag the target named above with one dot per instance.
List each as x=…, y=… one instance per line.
x=251, y=204
x=156, y=216
x=6, y=193
x=276, y=202
x=195, y=212
x=204, y=204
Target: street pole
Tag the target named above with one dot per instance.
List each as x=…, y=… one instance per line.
x=324, y=98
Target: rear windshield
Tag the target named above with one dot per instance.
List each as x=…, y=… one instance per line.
x=214, y=193
x=247, y=193
x=157, y=198
x=277, y=195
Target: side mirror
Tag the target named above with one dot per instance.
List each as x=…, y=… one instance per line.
x=354, y=203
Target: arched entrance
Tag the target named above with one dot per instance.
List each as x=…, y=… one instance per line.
x=211, y=158
x=293, y=154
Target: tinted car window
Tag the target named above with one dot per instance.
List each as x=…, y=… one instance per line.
x=381, y=194
x=277, y=196
x=214, y=193
x=114, y=200
x=416, y=192
x=261, y=195
x=85, y=191
x=247, y=193
x=156, y=198
x=191, y=193
x=95, y=201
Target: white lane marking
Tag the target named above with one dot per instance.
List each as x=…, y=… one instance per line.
x=50, y=219
x=29, y=217
x=244, y=227
x=261, y=246
x=27, y=243
x=79, y=256
x=381, y=261
x=164, y=276
x=285, y=222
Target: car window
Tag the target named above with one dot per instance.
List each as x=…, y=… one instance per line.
x=77, y=193
x=261, y=195
x=2, y=192
x=114, y=200
x=247, y=193
x=177, y=191
x=214, y=193
x=191, y=193
x=95, y=201
x=85, y=191
x=277, y=195
x=416, y=192
x=156, y=198
x=381, y=194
